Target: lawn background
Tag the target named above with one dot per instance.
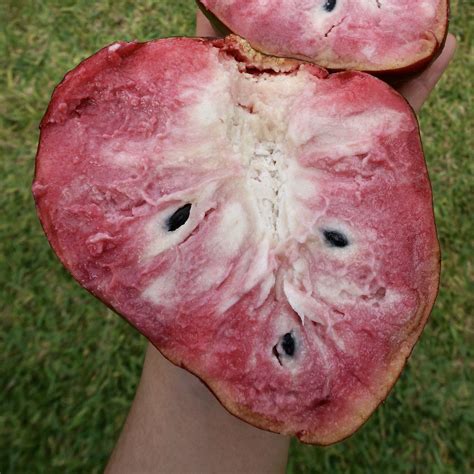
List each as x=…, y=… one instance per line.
x=69, y=366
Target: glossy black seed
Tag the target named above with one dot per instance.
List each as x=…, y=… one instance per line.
x=330, y=5
x=288, y=344
x=179, y=218
x=336, y=239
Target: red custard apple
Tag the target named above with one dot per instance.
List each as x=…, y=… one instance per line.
x=368, y=35
x=266, y=225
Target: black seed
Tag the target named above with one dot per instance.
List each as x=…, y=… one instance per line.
x=336, y=239
x=288, y=344
x=330, y=5
x=179, y=218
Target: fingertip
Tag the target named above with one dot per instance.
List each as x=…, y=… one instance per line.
x=203, y=27
x=418, y=89
x=449, y=48
x=451, y=41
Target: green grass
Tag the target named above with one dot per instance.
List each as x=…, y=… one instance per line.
x=69, y=367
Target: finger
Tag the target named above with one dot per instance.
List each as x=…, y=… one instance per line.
x=203, y=27
x=418, y=89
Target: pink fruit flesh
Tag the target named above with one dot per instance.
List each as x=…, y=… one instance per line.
x=307, y=267
x=368, y=35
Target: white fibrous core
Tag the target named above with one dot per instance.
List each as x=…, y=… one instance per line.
x=266, y=181
x=259, y=113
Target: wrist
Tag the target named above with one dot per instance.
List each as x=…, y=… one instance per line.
x=177, y=425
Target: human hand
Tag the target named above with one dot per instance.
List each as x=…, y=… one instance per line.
x=176, y=424
x=415, y=89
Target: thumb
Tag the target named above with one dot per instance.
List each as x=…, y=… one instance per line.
x=418, y=89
